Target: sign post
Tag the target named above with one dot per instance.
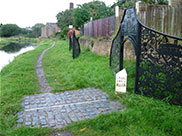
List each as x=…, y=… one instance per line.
x=121, y=81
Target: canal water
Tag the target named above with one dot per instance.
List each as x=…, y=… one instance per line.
x=9, y=52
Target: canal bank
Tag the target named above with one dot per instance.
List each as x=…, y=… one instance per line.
x=18, y=40
x=10, y=51
x=18, y=79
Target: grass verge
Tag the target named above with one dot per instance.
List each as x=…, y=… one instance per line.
x=19, y=40
x=144, y=116
x=16, y=80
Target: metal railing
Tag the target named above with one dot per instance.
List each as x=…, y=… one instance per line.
x=158, y=59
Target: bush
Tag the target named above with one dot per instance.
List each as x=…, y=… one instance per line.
x=63, y=34
x=9, y=30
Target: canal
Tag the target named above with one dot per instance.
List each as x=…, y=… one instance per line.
x=9, y=52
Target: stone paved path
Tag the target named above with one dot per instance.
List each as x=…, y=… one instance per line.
x=44, y=86
x=59, y=109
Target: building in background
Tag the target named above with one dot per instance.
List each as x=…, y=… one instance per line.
x=49, y=29
x=71, y=5
x=28, y=28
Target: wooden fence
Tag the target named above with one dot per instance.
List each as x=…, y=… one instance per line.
x=100, y=28
x=164, y=18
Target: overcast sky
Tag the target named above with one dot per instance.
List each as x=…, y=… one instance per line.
x=26, y=13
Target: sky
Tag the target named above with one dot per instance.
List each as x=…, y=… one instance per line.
x=27, y=13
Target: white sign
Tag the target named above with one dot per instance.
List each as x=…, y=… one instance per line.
x=121, y=80
x=137, y=6
x=70, y=26
x=117, y=11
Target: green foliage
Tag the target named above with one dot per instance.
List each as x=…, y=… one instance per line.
x=81, y=15
x=24, y=31
x=65, y=18
x=92, y=43
x=95, y=9
x=155, y=1
x=130, y=3
x=63, y=34
x=126, y=4
x=36, y=30
x=9, y=30
x=17, y=40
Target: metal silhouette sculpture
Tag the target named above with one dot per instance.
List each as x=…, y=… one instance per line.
x=70, y=44
x=76, y=46
x=158, y=59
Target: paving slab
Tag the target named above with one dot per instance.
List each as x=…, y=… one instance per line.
x=56, y=110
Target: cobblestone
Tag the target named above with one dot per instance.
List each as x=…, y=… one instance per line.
x=59, y=109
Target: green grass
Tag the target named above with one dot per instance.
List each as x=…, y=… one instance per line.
x=143, y=116
x=18, y=79
x=20, y=40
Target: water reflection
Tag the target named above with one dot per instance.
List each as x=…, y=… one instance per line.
x=9, y=52
x=15, y=47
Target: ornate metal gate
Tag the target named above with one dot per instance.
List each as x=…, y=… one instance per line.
x=158, y=59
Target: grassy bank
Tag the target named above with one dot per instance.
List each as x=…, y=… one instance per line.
x=144, y=116
x=18, y=79
x=20, y=40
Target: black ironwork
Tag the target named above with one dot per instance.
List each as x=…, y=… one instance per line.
x=158, y=59
x=70, y=43
x=76, y=46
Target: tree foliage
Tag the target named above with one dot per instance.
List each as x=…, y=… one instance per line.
x=95, y=9
x=36, y=30
x=81, y=16
x=125, y=3
x=65, y=18
x=8, y=30
x=155, y=1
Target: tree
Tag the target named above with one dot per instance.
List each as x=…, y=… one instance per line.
x=36, y=30
x=95, y=9
x=125, y=3
x=24, y=31
x=8, y=30
x=65, y=18
x=81, y=15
